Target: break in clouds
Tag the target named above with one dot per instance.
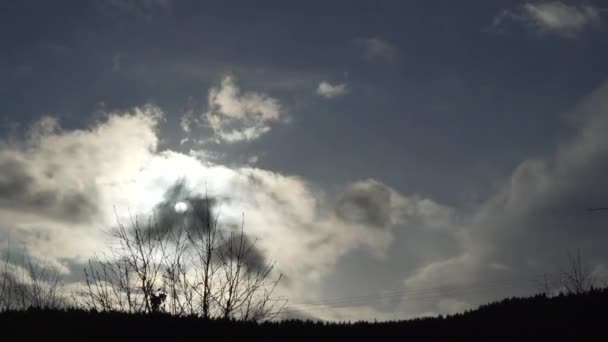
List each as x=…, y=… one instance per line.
x=60, y=189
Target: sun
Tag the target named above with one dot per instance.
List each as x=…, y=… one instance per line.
x=180, y=207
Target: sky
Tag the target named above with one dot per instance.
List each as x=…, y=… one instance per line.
x=396, y=158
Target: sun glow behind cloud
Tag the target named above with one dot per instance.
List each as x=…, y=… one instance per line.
x=180, y=207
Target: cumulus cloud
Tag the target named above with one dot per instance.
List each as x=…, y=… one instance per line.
x=374, y=204
x=235, y=116
x=63, y=185
x=552, y=17
x=43, y=175
x=52, y=184
x=527, y=228
x=378, y=49
x=329, y=90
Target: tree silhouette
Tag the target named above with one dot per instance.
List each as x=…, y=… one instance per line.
x=32, y=284
x=577, y=278
x=190, y=266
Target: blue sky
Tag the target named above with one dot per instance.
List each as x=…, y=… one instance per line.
x=458, y=93
x=432, y=99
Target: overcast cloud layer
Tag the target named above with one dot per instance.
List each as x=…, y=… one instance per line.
x=393, y=167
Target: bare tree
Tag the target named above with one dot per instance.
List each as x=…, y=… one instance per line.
x=245, y=287
x=175, y=284
x=128, y=278
x=45, y=286
x=204, y=238
x=193, y=269
x=6, y=290
x=32, y=284
x=544, y=285
x=577, y=278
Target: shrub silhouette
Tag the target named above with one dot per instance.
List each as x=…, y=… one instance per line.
x=157, y=301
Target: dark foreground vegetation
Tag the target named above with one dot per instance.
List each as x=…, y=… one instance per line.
x=566, y=317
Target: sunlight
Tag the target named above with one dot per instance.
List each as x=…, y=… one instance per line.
x=180, y=207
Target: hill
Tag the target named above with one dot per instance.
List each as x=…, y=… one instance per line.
x=571, y=317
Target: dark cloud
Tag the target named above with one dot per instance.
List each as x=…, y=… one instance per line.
x=14, y=180
x=201, y=213
x=253, y=258
x=199, y=209
x=367, y=204
x=20, y=190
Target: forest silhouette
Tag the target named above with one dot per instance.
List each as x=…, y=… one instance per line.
x=565, y=317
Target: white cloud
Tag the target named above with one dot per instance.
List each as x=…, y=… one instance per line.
x=186, y=121
x=452, y=271
x=378, y=49
x=329, y=90
x=240, y=116
x=53, y=184
x=553, y=17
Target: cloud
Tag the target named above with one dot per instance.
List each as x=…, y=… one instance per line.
x=540, y=214
x=329, y=90
x=186, y=122
x=476, y=255
x=367, y=203
x=116, y=163
x=236, y=116
x=21, y=190
x=552, y=17
x=43, y=175
x=378, y=49
x=53, y=183
x=254, y=159
x=376, y=205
